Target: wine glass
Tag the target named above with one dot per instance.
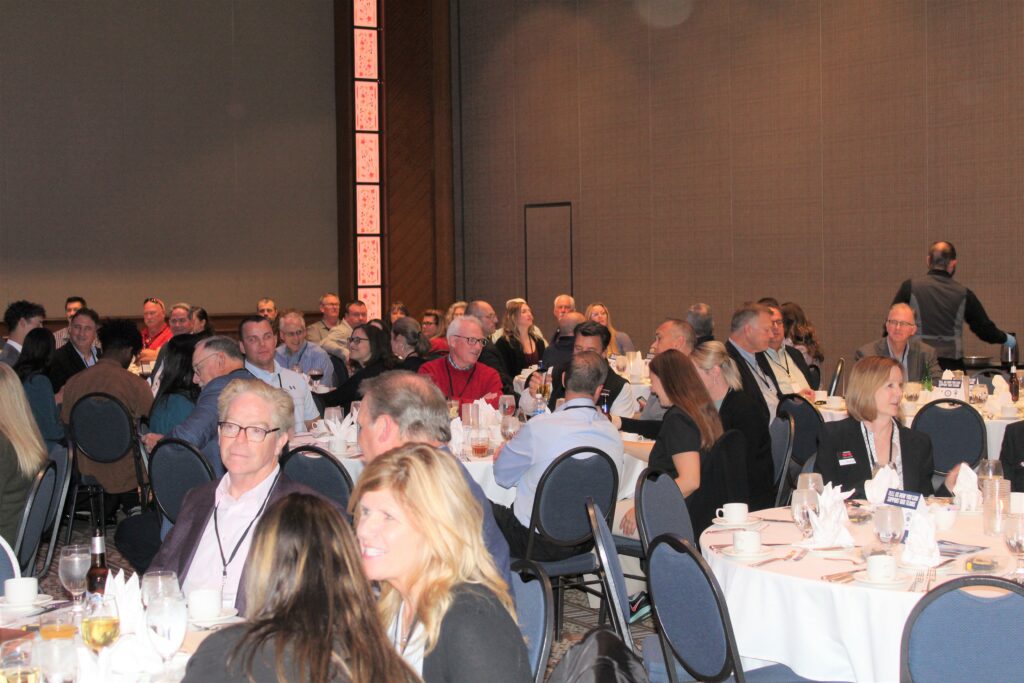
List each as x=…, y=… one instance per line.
x=810, y=480
x=166, y=622
x=315, y=375
x=888, y=525
x=17, y=662
x=354, y=408
x=162, y=584
x=507, y=404
x=509, y=426
x=1013, y=535
x=101, y=625
x=72, y=568
x=989, y=469
x=57, y=659
x=804, y=502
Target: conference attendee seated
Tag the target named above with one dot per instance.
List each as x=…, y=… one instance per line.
x=703, y=323
x=268, y=309
x=22, y=453
x=20, y=317
x=180, y=323
x=312, y=613
x=620, y=343
x=369, y=356
x=430, y=324
x=216, y=362
x=522, y=461
x=408, y=345
x=330, y=309
x=445, y=606
x=155, y=330
x=259, y=344
x=672, y=334
x=588, y=336
x=851, y=450
x=297, y=353
x=209, y=544
x=519, y=346
x=397, y=310
x=786, y=363
x=1012, y=455
x=176, y=398
x=336, y=341
x=458, y=375
x=917, y=358
x=72, y=305
x=750, y=335
x=484, y=312
x=564, y=303
x=36, y=352
x=560, y=351
x=200, y=320
x=80, y=353
x=121, y=342
x=399, y=408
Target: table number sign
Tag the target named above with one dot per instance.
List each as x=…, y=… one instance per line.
x=908, y=501
x=951, y=388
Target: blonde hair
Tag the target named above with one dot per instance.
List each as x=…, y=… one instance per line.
x=866, y=378
x=613, y=345
x=430, y=487
x=451, y=315
x=510, y=323
x=282, y=409
x=19, y=425
x=712, y=354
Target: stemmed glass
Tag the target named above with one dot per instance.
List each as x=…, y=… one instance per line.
x=162, y=584
x=507, y=405
x=509, y=426
x=101, y=625
x=888, y=525
x=810, y=480
x=804, y=502
x=166, y=622
x=1013, y=535
x=989, y=469
x=72, y=568
x=57, y=659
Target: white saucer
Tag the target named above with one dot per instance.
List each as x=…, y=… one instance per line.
x=763, y=553
x=321, y=390
x=900, y=582
x=225, y=614
x=972, y=513
x=41, y=599
x=751, y=522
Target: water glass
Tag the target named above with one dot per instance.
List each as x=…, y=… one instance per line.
x=509, y=426
x=353, y=409
x=453, y=408
x=1013, y=535
x=334, y=413
x=162, y=584
x=888, y=525
x=989, y=469
x=810, y=480
x=166, y=622
x=995, y=505
x=804, y=502
x=57, y=660
x=72, y=568
x=470, y=416
x=101, y=624
x=17, y=662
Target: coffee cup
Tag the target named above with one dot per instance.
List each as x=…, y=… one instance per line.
x=732, y=513
x=1016, y=503
x=204, y=604
x=881, y=568
x=746, y=542
x=20, y=592
x=834, y=402
x=944, y=516
x=820, y=396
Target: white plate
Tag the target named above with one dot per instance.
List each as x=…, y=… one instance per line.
x=321, y=390
x=901, y=581
x=41, y=599
x=761, y=554
x=225, y=614
x=751, y=522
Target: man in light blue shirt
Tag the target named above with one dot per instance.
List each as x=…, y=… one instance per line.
x=299, y=355
x=523, y=460
x=256, y=339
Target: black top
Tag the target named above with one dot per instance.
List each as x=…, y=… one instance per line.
x=1012, y=455
x=210, y=662
x=411, y=363
x=512, y=356
x=65, y=363
x=478, y=641
x=738, y=412
x=678, y=434
x=349, y=390
x=751, y=383
x=490, y=357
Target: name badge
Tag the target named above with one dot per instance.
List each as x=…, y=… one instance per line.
x=846, y=458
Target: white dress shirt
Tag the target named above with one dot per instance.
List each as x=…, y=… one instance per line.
x=296, y=386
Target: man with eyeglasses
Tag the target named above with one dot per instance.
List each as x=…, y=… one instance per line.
x=786, y=363
x=209, y=544
x=458, y=375
x=330, y=308
x=489, y=356
x=917, y=358
x=259, y=343
x=336, y=341
x=296, y=353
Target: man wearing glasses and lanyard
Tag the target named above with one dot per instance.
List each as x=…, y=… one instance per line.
x=917, y=358
x=459, y=375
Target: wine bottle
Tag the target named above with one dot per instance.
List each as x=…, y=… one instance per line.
x=1014, y=383
x=96, y=578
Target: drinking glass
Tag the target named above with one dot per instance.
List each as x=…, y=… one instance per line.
x=509, y=426
x=58, y=625
x=315, y=375
x=479, y=441
x=470, y=416
x=334, y=413
x=166, y=622
x=1013, y=535
x=453, y=408
x=72, y=568
x=354, y=408
x=16, y=662
x=101, y=625
x=162, y=584
x=810, y=480
x=888, y=525
x=989, y=469
x=507, y=405
x=57, y=659
x=804, y=502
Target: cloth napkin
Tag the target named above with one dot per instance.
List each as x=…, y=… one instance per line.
x=490, y=418
x=455, y=445
x=347, y=428
x=921, y=548
x=829, y=523
x=947, y=374
x=128, y=594
x=876, y=488
x=966, y=490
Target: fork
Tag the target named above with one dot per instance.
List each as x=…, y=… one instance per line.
x=787, y=556
x=929, y=580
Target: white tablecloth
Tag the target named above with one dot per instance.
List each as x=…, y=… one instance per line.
x=641, y=388
x=783, y=612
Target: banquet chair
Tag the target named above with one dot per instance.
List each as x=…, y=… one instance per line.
x=320, y=471
x=660, y=508
x=834, y=384
x=953, y=635
x=957, y=432
x=782, y=430
x=691, y=613
x=102, y=429
x=807, y=423
x=723, y=479
x=609, y=572
x=8, y=564
x=176, y=467
x=814, y=376
x=985, y=376
x=534, y=612
x=60, y=456
x=33, y=518
x=559, y=516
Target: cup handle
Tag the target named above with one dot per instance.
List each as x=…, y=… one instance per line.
x=719, y=513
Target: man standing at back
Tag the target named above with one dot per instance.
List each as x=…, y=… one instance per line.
x=942, y=306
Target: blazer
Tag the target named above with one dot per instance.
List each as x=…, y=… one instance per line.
x=751, y=385
x=1012, y=455
x=921, y=359
x=845, y=435
x=66, y=362
x=9, y=354
x=490, y=357
x=200, y=427
x=739, y=413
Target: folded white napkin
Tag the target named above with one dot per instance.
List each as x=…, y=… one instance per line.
x=999, y=385
x=134, y=654
x=347, y=428
x=947, y=374
x=968, y=497
x=921, y=548
x=875, y=488
x=829, y=523
x=128, y=594
x=455, y=445
x=490, y=419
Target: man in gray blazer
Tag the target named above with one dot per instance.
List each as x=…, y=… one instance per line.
x=917, y=358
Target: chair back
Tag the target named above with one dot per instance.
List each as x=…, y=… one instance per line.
x=535, y=612
x=102, y=428
x=956, y=635
x=175, y=468
x=560, y=505
x=60, y=456
x=690, y=611
x=807, y=423
x=833, y=386
x=985, y=376
x=814, y=376
x=8, y=564
x=660, y=508
x=33, y=518
x=613, y=581
x=723, y=479
x=319, y=470
x=957, y=431
x=782, y=429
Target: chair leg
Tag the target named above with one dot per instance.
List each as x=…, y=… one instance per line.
x=69, y=509
x=559, y=606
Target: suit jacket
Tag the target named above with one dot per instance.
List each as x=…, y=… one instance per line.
x=751, y=385
x=9, y=354
x=178, y=549
x=1012, y=455
x=739, y=413
x=66, y=362
x=921, y=358
x=200, y=427
x=490, y=357
x=613, y=384
x=845, y=435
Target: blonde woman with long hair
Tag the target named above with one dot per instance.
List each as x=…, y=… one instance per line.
x=521, y=344
x=621, y=342
x=22, y=452
x=446, y=607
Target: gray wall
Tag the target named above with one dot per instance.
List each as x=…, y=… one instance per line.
x=180, y=149
x=804, y=150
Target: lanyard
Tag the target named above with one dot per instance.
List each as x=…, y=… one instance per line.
x=785, y=356
x=869, y=443
x=761, y=379
x=216, y=529
x=451, y=388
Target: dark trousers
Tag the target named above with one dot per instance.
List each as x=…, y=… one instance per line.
x=518, y=538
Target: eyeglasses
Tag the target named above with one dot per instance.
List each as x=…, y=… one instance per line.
x=472, y=341
x=195, y=367
x=253, y=434
x=899, y=323
x=776, y=323
x=355, y=341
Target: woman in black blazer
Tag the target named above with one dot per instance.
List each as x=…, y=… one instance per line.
x=849, y=451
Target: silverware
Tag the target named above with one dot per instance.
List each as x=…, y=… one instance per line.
x=929, y=580
x=800, y=555
x=844, y=559
x=787, y=556
x=839, y=577
x=777, y=521
x=719, y=546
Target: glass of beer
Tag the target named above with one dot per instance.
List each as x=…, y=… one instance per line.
x=480, y=442
x=101, y=625
x=57, y=625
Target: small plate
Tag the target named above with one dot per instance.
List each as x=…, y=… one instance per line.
x=225, y=614
x=321, y=390
x=41, y=599
x=751, y=522
x=900, y=582
x=731, y=552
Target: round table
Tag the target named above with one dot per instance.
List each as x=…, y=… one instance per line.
x=784, y=612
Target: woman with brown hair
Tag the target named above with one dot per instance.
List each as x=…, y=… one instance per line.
x=312, y=615
x=520, y=346
x=22, y=452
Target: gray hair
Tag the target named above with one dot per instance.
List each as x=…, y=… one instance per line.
x=282, y=409
x=221, y=344
x=712, y=353
x=572, y=301
x=699, y=317
x=295, y=313
x=746, y=313
x=183, y=306
x=587, y=371
x=456, y=326
x=413, y=401
x=684, y=330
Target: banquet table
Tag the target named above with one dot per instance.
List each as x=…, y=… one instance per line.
x=641, y=386
x=783, y=612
